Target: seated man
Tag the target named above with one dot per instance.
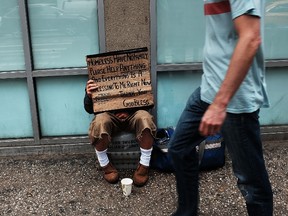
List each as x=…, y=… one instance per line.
x=105, y=124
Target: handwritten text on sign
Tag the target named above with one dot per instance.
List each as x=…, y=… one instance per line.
x=123, y=79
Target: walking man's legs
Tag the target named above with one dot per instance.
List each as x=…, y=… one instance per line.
x=185, y=158
x=242, y=137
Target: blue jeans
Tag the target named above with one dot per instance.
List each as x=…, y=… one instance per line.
x=241, y=134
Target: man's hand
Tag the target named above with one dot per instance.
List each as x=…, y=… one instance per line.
x=212, y=120
x=90, y=87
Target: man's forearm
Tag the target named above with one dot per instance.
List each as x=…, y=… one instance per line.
x=241, y=60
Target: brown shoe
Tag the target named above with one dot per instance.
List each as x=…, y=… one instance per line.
x=110, y=173
x=140, y=176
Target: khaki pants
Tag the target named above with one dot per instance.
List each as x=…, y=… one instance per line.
x=108, y=123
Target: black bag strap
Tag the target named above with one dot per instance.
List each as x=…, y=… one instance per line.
x=201, y=150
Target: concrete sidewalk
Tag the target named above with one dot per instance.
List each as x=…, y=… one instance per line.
x=74, y=186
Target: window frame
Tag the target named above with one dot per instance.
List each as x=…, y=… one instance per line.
x=30, y=75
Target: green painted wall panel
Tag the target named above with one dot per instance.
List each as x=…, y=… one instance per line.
x=174, y=88
x=276, y=114
x=61, y=108
x=15, y=116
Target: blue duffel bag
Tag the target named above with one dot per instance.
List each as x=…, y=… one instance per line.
x=211, y=152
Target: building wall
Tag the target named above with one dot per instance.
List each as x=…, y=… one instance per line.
x=43, y=70
x=127, y=24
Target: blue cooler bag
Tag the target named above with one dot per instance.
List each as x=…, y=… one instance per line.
x=211, y=152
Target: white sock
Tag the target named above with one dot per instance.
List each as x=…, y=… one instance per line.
x=145, y=156
x=102, y=157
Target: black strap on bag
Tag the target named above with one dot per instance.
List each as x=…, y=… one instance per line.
x=160, y=157
x=212, y=153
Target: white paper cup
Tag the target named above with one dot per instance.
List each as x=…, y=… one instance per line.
x=126, y=185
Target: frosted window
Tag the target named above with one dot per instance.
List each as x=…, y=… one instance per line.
x=180, y=31
x=63, y=32
x=276, y=29
x=11, y=46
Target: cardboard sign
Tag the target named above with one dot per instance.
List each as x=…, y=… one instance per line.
x=123, y=79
